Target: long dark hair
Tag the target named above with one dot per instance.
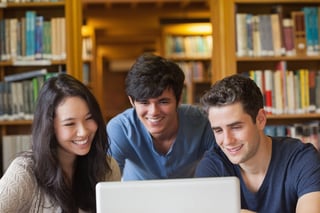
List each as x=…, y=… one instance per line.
x=89, y=169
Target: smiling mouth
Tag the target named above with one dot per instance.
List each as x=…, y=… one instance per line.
x=154, y=120
x=82, y=142
x=234, y=149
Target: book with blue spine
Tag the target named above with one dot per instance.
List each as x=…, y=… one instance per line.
x=30, y=34
x=39, y=37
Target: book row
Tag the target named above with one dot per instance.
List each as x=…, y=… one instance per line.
x=275, y=35
x=32, y=37
x=11, y=145
x=195, y=70
x=306, y=132
x=289, y=92
x=188, y=46
x=17, y=98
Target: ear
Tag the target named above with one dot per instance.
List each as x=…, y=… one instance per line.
x=261, y=119
x=131, y=101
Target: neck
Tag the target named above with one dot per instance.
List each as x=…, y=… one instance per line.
x=254, y=172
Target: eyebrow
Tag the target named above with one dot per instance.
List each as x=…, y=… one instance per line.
x=228, y=125
x=71, y=118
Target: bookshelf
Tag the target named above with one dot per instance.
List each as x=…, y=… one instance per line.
x=238, y=56
x=125, y=29
x=58, y=54
x=239, y=63
x=88, y=51
x=190, y=46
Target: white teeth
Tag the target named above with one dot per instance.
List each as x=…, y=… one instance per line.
x=154, y=119
x=80, y=142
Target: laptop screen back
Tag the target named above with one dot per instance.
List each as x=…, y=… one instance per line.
x=190, y=195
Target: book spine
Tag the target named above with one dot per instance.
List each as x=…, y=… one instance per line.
x=288, y=37
x=47, y=40
x=241, y=29
x=30, y=34
x=25, y=75
x=268, y=90
x=39, y=37
x=299, y=32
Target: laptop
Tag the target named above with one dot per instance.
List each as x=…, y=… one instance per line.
x=189, y=195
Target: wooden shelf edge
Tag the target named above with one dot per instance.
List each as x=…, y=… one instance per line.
x=278, y=58
x=274, y=1
x=32, y=4
x=15, y=122
x=293, y=116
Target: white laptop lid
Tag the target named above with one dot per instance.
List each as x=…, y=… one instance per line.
x=190, y=195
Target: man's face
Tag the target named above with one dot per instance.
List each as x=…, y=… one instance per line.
x=235, y=132
x=158, y=114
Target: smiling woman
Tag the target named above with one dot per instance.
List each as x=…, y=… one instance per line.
x=68, y=156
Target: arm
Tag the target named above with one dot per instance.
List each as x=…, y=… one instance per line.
x=309, y=202
x=115, y=175
x=116, y=138
x=16, y=188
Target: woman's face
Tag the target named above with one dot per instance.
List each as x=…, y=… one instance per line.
x=74, y=127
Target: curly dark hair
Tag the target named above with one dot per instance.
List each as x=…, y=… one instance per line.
x=151, y=75
x=233, y=89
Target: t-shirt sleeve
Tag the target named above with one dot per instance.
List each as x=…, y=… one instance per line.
x=308, y=177
x=214, y=164
x=117, y=140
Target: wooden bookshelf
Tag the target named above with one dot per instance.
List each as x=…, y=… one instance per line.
x=113, y=32
x=124, y=30
x=223, y=16
x=69, y=62
x=190, y=46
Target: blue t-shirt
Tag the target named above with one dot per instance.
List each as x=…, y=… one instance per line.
x=132, y=146
x=294, y=170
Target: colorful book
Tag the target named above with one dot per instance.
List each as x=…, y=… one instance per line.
x=276, y=34
x=288, y=37
x=278, y=9
x=256, y=36
x=30, y=34
x=242, y=36
x=46, y=39
x=266, y=39
x=312, y=91
x=268, y=82
x=299, y=32
x=317, y=92
x=39, y=37
x=25, y=75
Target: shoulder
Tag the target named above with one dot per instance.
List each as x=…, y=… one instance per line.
x=215, y=163
x=124, y=119
x=301, y=159
x=191, y=112
x=18, y=184
x=21, y=165
x=115, y=174
x=291, y=146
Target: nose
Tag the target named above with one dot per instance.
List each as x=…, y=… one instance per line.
x=153, y=109
x=228, y=138
x=82, y=130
